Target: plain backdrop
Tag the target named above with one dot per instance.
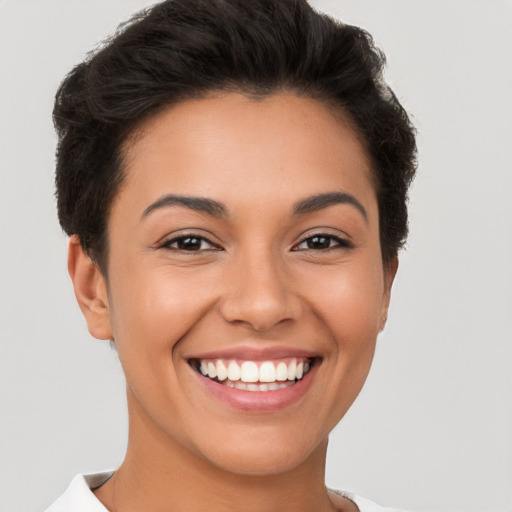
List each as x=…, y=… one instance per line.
x=432, y=429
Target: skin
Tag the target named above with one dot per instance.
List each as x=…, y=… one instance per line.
x=258, y=284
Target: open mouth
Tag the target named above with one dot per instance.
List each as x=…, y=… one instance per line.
x=255, y=375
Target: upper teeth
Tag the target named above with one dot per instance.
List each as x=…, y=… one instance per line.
x=251, y=371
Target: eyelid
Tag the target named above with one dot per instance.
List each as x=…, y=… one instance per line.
x=343, y=241
x=167, y=241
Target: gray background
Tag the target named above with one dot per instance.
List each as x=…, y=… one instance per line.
x=432, y=429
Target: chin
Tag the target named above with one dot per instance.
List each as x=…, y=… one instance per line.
x=264, y=455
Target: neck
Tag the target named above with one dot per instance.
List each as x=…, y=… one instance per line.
x=162, y=475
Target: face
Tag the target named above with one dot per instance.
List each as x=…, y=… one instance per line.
x=245, y=281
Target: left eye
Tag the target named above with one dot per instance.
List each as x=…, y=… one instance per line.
x=190, y=243
x=321, y=242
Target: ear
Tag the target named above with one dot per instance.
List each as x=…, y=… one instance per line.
x=389, y=276
x=90, y=290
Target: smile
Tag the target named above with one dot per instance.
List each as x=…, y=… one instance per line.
x=255, y=375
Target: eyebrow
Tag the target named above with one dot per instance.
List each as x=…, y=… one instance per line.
x=321, y=201
x=199, y=204
x=211, y=207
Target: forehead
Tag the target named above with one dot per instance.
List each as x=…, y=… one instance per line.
x=232, y=145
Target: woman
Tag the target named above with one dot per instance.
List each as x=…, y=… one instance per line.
x=233, y=176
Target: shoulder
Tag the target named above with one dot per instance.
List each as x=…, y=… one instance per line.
x=78, y=497
x=363, y=504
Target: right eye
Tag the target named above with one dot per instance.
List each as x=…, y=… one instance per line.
x=190, y=243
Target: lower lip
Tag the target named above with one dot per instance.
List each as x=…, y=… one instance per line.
x=258, y=401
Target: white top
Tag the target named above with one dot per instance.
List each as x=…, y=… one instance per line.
x=78, y=497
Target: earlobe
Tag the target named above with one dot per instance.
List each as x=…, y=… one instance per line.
x=389, y=276
x=90, y=290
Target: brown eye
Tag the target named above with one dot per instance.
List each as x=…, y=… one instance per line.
x=322, y=242
x=190, y=243
x=319, y=242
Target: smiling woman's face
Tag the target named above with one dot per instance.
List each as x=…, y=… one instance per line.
x=244, y=242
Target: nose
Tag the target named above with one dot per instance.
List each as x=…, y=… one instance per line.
x=259, y=293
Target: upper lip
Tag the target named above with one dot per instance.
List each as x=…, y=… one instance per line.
x=248, y=353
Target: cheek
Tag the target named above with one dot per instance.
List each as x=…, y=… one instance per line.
x=349, y=301
x=155, y=307
x=150, y=314
x=349, y=305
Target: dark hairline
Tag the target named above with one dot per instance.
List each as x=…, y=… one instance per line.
x=183, y=49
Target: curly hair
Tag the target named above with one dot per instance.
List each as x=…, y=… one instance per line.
x=181, y=49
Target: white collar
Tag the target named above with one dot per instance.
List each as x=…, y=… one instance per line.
x=78, y=497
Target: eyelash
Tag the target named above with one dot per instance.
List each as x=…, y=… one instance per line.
x=168, y=244
x=334, y=242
